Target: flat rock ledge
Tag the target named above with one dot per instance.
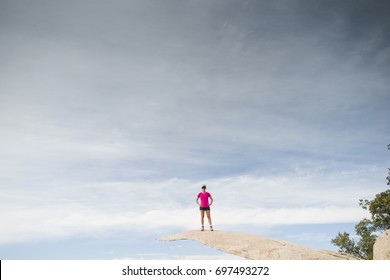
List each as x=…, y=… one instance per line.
x=254, y=247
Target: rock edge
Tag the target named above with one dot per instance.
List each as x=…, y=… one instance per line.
x=254, y=247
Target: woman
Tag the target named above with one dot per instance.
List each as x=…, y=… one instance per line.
x=204, y=206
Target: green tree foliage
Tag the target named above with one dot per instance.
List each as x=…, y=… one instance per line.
x=346, y=244
x=367, y=229
x=362, y=249
x=379, y=209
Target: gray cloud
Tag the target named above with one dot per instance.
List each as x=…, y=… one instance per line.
x=192, y=79
x=101, y=92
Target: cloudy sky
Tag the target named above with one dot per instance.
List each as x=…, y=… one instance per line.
x=114, y=113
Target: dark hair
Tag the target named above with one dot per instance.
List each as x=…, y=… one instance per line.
x=204, y=186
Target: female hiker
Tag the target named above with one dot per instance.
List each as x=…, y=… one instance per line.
x=206, y=201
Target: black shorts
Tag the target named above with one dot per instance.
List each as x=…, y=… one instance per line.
x=204, y=208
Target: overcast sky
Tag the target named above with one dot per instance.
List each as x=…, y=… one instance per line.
x=114, y=113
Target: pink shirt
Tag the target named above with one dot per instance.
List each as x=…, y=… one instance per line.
x=204, y=199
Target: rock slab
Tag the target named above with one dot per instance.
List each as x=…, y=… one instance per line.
x=382, y=246
x=254, y=247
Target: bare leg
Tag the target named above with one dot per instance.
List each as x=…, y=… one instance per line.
x=202, y=218
x=209, y=218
